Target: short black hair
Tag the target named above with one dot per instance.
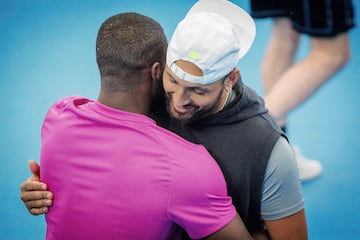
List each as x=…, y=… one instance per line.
x=128, y=44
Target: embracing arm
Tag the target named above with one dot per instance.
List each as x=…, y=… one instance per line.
x=232, y=231
x=236, y=229
x=34, y=193
x=289, y=228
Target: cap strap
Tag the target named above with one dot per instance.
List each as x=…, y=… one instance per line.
x=186, y=76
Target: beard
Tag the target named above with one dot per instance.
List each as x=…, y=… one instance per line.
x=158, y=99
x=158, y=110
x=196, y=115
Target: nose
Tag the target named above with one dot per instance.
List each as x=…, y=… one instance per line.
x=181, y=97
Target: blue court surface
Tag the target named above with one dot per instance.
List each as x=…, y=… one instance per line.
x=47, y=50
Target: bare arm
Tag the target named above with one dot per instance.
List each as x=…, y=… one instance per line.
x=34, y=193
x=289, y=228
x=234, y=230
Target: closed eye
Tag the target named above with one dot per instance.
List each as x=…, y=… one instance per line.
x=199, y=91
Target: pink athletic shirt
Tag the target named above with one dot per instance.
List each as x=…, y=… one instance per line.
x=117, y=175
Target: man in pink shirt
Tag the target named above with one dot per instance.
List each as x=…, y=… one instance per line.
x=130, y=178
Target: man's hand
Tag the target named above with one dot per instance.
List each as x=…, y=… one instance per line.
x=34, y=193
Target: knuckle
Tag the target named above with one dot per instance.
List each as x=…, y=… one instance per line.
x=22, y=197
x=23, y=187
x=26, y=187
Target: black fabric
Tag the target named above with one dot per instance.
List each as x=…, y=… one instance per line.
x=317, y=18
x=240, y=138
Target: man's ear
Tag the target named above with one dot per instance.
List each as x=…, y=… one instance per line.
x=232, y=79
x=156, y=71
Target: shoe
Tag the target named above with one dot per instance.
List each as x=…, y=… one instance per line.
x=309, y=169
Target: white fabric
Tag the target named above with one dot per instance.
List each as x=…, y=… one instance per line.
x=214, y=35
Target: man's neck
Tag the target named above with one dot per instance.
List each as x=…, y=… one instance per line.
x=125, y=101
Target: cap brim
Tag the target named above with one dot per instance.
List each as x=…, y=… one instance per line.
x=243, y=23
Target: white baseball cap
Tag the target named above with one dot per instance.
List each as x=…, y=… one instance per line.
x=214, y=35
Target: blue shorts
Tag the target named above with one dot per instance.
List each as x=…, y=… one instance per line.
x=321, y=18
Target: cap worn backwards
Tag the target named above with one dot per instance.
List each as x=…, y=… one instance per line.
x=214, y=35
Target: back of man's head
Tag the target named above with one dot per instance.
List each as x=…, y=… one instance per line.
x=127, y=45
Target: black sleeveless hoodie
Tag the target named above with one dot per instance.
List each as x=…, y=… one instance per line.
x=241, y=138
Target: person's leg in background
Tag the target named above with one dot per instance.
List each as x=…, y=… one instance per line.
x=288, y=84
x=278, y=58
